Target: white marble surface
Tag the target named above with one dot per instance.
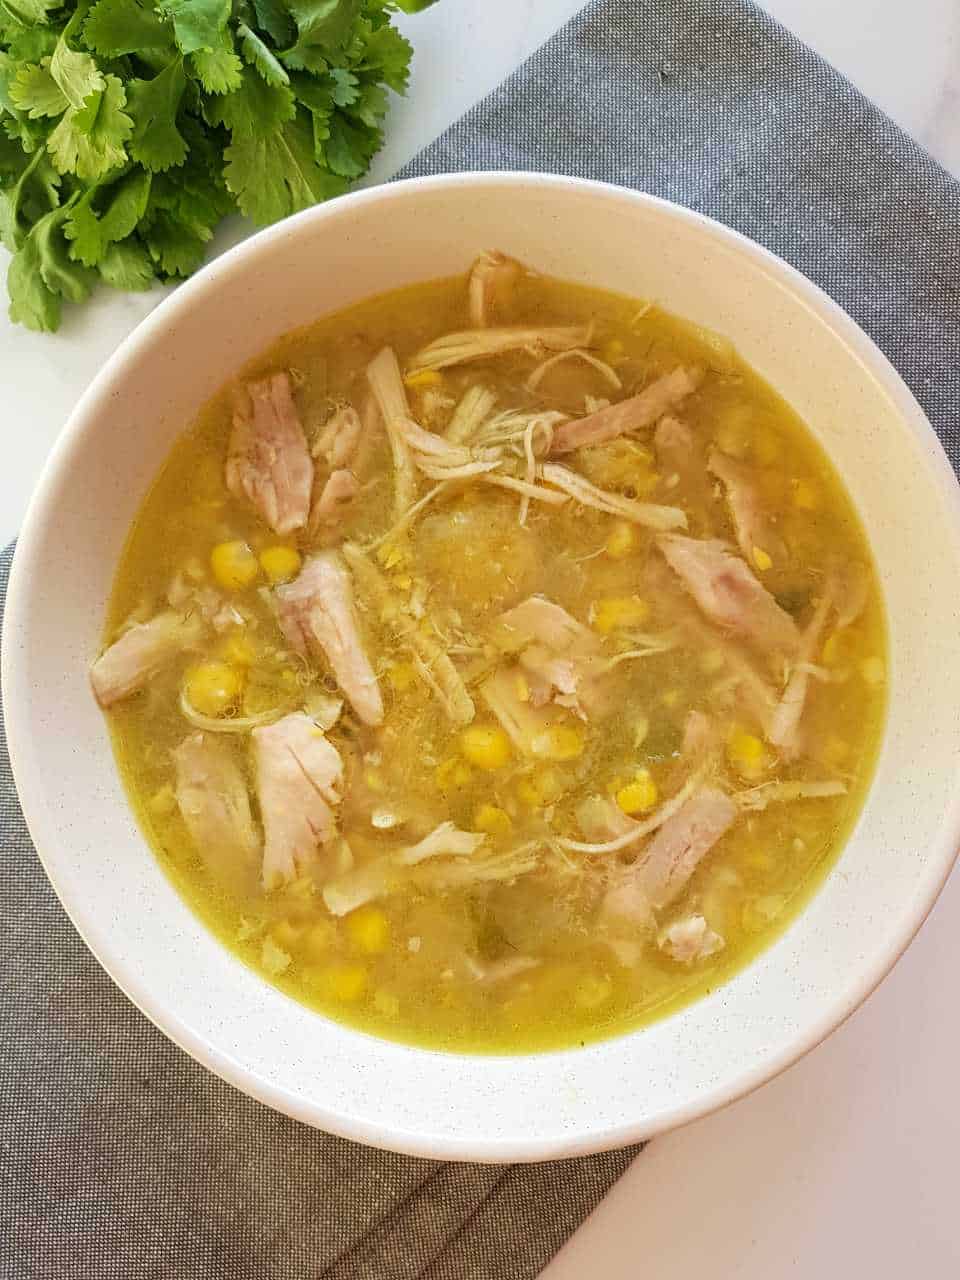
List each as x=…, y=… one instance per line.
x=846, y=1163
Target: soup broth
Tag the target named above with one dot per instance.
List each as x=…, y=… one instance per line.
x=496, y=665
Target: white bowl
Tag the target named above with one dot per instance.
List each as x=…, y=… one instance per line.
x=466, y=1106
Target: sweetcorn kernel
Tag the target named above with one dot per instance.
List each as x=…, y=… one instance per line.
x=403, y=676
x=493, y=820
x=368, y=929
x=213, y=688
x=234, y=565
x=559, y=742
x=543, y=786
x=238, y=649
x=453, y=774
x=761, y=559
x=319, y=938
x=746, y=753
x=280, y=564
x=286, y=934
x=611, y=612
x=486, y=746
x=639, y=795
x=805, y=496
x=344, y=982
x=621, y=540
x=612, y=350
x=423, y=378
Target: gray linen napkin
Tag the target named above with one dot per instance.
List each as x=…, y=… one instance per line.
x=120, y=1159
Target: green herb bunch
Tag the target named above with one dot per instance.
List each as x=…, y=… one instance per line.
x=130, y=128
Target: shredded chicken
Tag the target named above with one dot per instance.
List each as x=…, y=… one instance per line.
x=439, y=459
x=784, y=730
x=317, y=615
x=648, y=514
x=227, y=724
x=143, y=649
x=601, y=366
x=755, y=799
x=299, y=785
x=521, y=721
x=386, y=383
x=689, y=940
x=475, y=406
x=729, y=594
x=497, y=865
x=212, y=796
x=480, y=344
x=635, y=831
x=339, y=437
x=268, y=462
x=445, y=839
x=756, y=536
x=640, y=411
x=337, y=492
x=447, y=683
x=681, y=843
x=538, y=618
x=492, y=277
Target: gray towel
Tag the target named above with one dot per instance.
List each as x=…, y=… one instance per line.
x=120, y=1159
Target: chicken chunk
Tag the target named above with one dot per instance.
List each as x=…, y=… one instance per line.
x=539, y=619
x=784, y=730
x=299, y=785
x=317, y=615
x=268, y=462
x=337, y=491
x=689, y=940
x=140, y=653
x=677, y=849
x=339, y=438
x=634, y=414
x=491, y=278
x=756, y=535
x=212, y=795
x=729, y=594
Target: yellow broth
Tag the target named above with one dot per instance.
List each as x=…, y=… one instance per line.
x=413, y=965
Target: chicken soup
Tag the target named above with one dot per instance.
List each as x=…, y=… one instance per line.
x=496, y=665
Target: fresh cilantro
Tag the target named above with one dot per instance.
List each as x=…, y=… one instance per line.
x=130, y=128
x=156, y=142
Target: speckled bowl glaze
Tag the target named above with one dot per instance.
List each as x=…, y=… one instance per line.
x=477, y=1107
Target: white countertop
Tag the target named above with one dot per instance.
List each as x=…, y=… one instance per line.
x=845, y=1165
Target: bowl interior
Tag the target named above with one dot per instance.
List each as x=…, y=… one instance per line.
x=412, y=1099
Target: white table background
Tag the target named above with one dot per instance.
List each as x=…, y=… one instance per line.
x=846, y=1164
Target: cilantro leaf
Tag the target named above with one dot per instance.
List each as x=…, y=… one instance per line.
x=116, y=27
x=261, y=57
x=273, y=18
x=273, y=174
x=32, y=194
x=31, y=13
x=370, y=105
x=388, y=55
x=41, y=273
x=175, y=247
x=350, y=146
x=127, y=265
x=77, y=75
x=31, y=303
x=90, y=142
x=122, y=205
x=197, y=24
x=156, y=142
x=218, y=70
x=255, y=106
x=34, y=90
